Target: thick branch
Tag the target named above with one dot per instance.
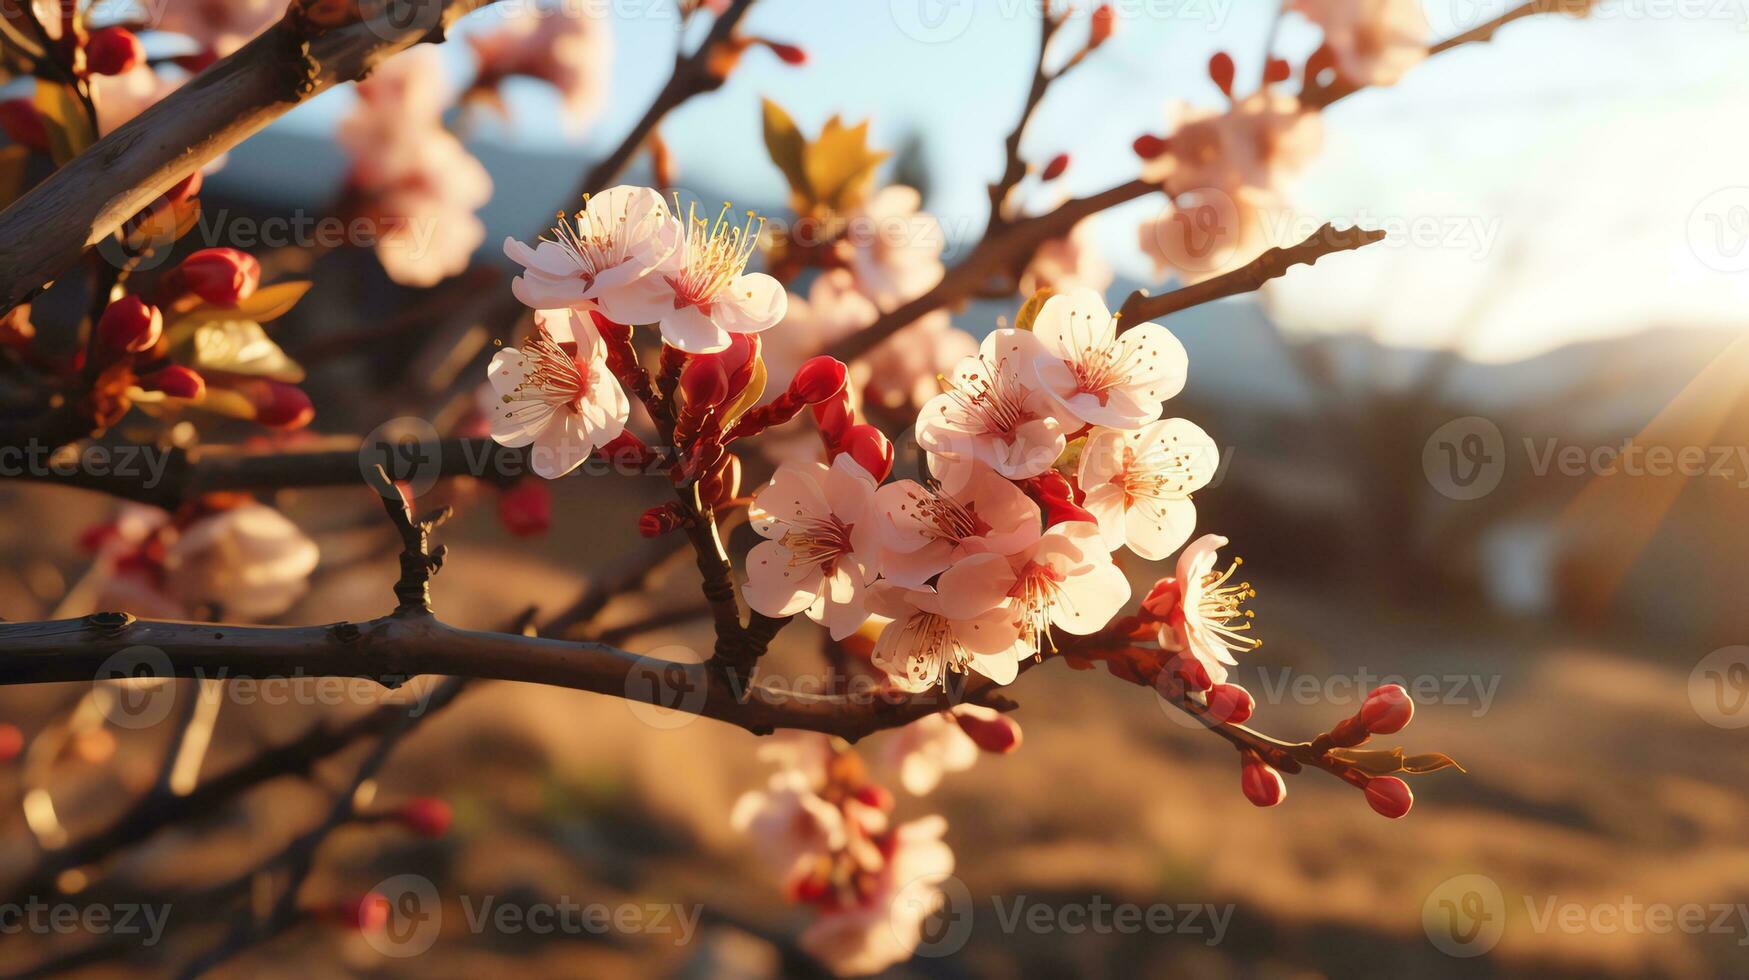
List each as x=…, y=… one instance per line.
x=1272, y=264
x=43, y=233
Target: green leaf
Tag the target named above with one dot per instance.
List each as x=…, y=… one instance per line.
x=787, y=148
x=242, y=347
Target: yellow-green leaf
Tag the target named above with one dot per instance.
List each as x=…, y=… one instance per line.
x=224, y=401
x=1029, y=312
x=69, y=129
x=749, y=397
x=268, y=303
x=787, y=147
x=242, y=347
x=840, y=166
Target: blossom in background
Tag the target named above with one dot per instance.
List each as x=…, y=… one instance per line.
x=883, y=923
x=1064, y=579
x=1204, y=618
x=822, y=541
x=218, y=27
x=557, y=394
x=237, y=559
x=893, y=248
x=410, y=177
x=1138, y=483
x=119, y=98
x=927, y=528
x=994, y=412
x=788, y=822
x=568, y=48
x=1099, y=376
x=963, y=622
x=1375, y=41
x=607, y=254
x=833, y=310
x=934, y=745
x=1071, y=262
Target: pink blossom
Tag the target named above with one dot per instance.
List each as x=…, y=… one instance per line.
x=709, y=293
x=822, y=540
x=893, y=248
x=1065, y=579
x=1375, y=41
x=1138, y=483
x=609, y=254
x=935, y=745
x=993, y=412
x=245, y=562
x=557, y=394
x=927, y=528
x=963, y=623
x=1070, y=262
x=1209, y=623
x=1098, y=376
x=219, y=27
x=569, y=49
x=884, y=925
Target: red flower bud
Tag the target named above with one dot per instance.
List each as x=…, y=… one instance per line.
x=366, y=913
x=426, y=816
x=626, y=450
x=24, y=124
x=834, y=418
x=11, y=741
x=789, y=54
x=1163, y=599
x=113, y=50
x=1277, y=70
x=870, y=449
x=992, y=730
x=278, y=405
x=874, y=795
x=659, y=520
x=1055, y=168
x=184, y=189
x=1230, y=704
x=1221, y=72
x=703, y=383
x=129, y=325
x=1055, y=496
x=1101, y=25
x=819, y=379
x=1192, y=672
x=1387, y=710
x=526, y=509
x=1389, y=796
x=176, y=381
x=220, y=276
x=1263, y=786
x=722, y=483
x=1148, y=146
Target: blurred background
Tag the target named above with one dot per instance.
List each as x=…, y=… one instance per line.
x=1451, y=460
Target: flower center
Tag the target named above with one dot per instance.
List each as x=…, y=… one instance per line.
x=599, y=239
x=1100, y=363
x=1036, y=591
x=943, y=518
x=992, y=401
x=716, y=255
x=932, y=641
x=1155, y=477
x=1218, y=608
x=553, y=374
x=817, y=541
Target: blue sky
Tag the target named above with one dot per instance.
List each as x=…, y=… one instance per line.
x=1568, y=172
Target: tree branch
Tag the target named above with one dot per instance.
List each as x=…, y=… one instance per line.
x=1272, y=264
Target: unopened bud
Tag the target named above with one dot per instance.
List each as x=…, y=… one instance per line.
x=874, y=795
x=24, y=124
x=1101, y=25
x=1192, y=672
x=11, y=741
x=659, y=520
x=1148, y=146
x=871, y=450
x=220, y=276
x=278, y=405
x=626, y=451
x=526, y=509
x=1055, y=168
x=1276, y=70
x=723, y=483
x=176, y=381
x=704, y=383
x=789, y=54
x=129, y=325
x=1230, y=704
x=113, y=51
x=1163, y=599
x=1221, y=72
x=426, y=816
x=990, y=729
x=834, y=418
x=1389, y=796
x=368, y=913
x=1387, y=710
x=819, y=379
x=184, y=189
x=1262, y=785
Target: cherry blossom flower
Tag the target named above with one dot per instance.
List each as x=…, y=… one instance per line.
x=411, y=178
x=245, y=562
x=822, y=541
x=1375, y=41
x=789, y=822
x=833, y=310
x=1208, y=622
x=565, y=47
x=1095, y=374
x=963, y=623
x=927, y=528
x=557, y=394
x=893, y=248
x=1138, y=483
x=934, y=745
x=1071, y=262
x=992, y=411
x=219, y=27
x=607, y=253
x=119, y=98
x=881, y=923
x=1065, y=579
